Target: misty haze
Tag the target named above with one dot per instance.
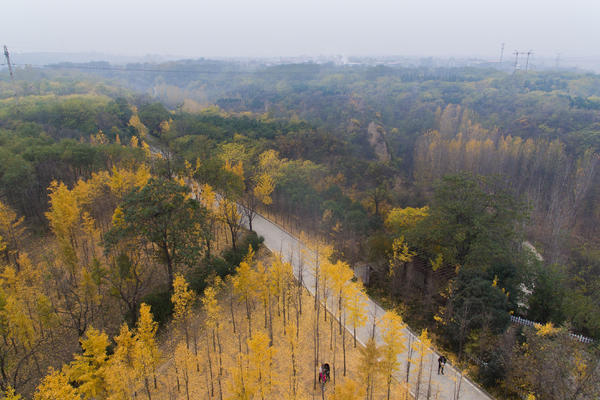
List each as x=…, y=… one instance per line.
x=337, y=200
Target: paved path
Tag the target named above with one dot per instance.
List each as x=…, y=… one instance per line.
x=292, y=250
x=443, y=387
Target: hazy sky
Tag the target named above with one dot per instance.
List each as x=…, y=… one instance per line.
x=302, y=27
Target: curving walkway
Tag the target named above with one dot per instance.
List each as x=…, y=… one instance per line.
x=443, y=387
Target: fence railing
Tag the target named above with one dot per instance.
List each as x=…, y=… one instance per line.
x=522, y=321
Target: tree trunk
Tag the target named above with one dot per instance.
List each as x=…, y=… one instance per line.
x=212, y=388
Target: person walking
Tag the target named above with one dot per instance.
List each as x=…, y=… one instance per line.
x=323, y=377
x=441, y=363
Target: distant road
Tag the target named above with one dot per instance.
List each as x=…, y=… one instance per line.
x=292, y=249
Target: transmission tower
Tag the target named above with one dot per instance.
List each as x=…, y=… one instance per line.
x=516, y=53
x=501, y=52
x=7, y=56
x=527, y=62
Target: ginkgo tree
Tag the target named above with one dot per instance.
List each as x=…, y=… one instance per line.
x=96, y=374
x=11, y=233
x=392, y=328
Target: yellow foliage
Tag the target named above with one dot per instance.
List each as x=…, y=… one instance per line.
x=260, y=359
x=120, y=370
x=263, y=189
x=10, y=394
x=88, y=369
x=64, y=212
x=211, y=306
x=400, y=254
x=54, y=386
x=393, y=343
x=122, y=181
x=270, y=163
x=437, y=263
x=141, y=129
x=422, y=347
x=11, y=228
x=233, y=153
x=118, y=217
x=235, y=168
x=348, y=390
x=146, y=353
x=182, y=298
x=165, y=126
x=547, y=329
x=404, y=218
x=147, y=150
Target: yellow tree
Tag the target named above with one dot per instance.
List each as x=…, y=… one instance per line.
x=76, y=272
x=185, y=360
x=341, y=277
x=208, y=199
x=265, y=289
x=183, y=299
x=64, y=218
x=393, y=344
x=88, y=369
x=240, y=385
x=11, y=232
x=260, y=361
x=399, y=219
x=146, y=353
x=243, y=286
x=10, y=394
x=213, y=313
x=369, y=356
x=230, y=216
x=280, y=276
x=292, y=342
x=258, y=191
x=422, y=349
x=120, y=370
x=26, y=317
x=56, y=385
x=357, y=307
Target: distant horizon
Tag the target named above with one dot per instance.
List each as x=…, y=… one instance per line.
x=40, y=58
x=296, y=28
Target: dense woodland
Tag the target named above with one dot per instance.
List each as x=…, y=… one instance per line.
x=436, y=181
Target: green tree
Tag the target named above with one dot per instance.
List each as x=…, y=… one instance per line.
x=163, y=214
x=152, y=115
x=472, y=223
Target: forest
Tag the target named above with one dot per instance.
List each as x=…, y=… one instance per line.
x=466, y=196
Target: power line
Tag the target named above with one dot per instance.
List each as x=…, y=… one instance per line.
x=120, y=69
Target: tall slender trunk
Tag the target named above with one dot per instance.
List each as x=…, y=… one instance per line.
x=231, y=309
x=147, y=385
x=220, y=361
x=344, y=342
x=409, y=356
x=212, y=388
x=429, y=380
x=249, y=316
